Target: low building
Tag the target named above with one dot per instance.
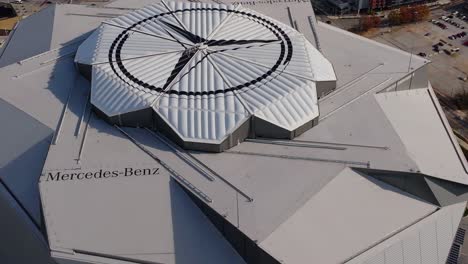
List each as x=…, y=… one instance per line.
x=339, y=7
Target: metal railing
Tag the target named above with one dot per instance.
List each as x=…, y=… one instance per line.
x=171, y=171
x=197, y=164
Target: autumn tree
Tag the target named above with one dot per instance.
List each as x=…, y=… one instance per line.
x=376, y=20
x=421, y=12
x=394, y=17
x=406, y=14
x=368, y=22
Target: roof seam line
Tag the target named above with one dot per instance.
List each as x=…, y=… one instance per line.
x=145, y=33
x=140, y=57
x=222, y=23
x=448, y=133
x=241, y=100
x=263, y=65
x=177, y=79
x=256, y=45
x=249, y=153
x=390, y=236
x=172, y=13
x=308, y=55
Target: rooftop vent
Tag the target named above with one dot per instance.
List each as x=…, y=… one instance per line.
x=206, y=75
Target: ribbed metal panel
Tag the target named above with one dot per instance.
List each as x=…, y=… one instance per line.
x=429, y=250
x=411, y=248
x=265, y=54
x=322, y=69
x=116, y=96
x=154, y=70
x=205, y=18
x=427, y=241
x=209, y=116
x=281, y=99
x=394, y=254
x=240, y=27
x=113, y=96
x=139, y=44
x=150, y=26
x=301, y=59
x=204, y=68
x=293, y=110
x=86, y=53
x=378, y=259
x=444, y=236
x=96, y=48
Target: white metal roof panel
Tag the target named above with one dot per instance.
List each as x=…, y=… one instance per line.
x=19, y=235
x=205, y=18
x=24, y=145
x=260, y=66
x=264, y=181
x=282, y=99
x=356, y=57
x=95, y=49
x=291, y=111
x=37, y=27
x=86, y=51
x=413, y=112
x=427, y=241
x=335, y=225
x=112, y=95
x=142, y=20
x=129, y=215
x=321, y=67
x=208, y=116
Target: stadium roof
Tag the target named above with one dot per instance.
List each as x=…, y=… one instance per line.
x=205, y=71
x=378, y=178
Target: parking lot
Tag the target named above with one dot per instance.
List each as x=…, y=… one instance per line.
x=447, y=73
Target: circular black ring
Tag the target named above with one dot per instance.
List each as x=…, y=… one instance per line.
x=118, y=43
